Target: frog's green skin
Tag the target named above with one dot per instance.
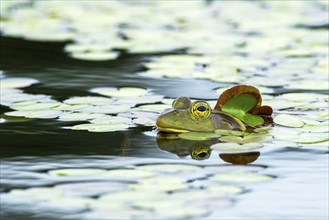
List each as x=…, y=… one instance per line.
x=180, y=118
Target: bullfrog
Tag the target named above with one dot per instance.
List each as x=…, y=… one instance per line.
x=185, y=116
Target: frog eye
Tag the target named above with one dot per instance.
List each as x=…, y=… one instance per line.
x=201, y=109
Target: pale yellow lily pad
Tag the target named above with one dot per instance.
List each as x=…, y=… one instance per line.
x=240, y=178
x=76, y=172
x=235, y=147
x=169, y=168
x=17, y=82
x=120, y=92
x=95, y=55
x=288, y=121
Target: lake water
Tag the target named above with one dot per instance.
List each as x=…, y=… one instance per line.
x=298, y=191
x=49, y=171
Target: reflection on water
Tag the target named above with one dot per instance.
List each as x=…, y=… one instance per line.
x=200, y=150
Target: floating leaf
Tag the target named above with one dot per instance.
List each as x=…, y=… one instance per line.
x=93, y=100
x=129, y=173
x=90, y=188
x=169, y=168
x=111, y=120
x=79, y=116
x=231, y=132
x=225, y=190
x=95, y=55
x=30, y=105
x=120, y=92
x=198, y=135
x=17, y=82
x=240, y=105
x=304, y=138
x=237, y=91
x=164, y=183
x=36, y=114
x=101, y=127
x=76, y=172
x=145, y=122
x=235, y=147
x=44, y=193
x=254, y=137
x=240, y=178
x=288, y=121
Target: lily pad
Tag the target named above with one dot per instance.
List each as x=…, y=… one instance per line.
x=28, y=106
x=129, y=173
x=288, y=121
x=95, y=55
x=120, y=92
x=240, y=105
x=225, y=190
x=235, y=147
x=44, y=193
x=93, y=100
x=79, y=116
x=231, y=132
x=101, y=127
x=111, y=120
x=240, y=178
x=75, y=172
x=198, y=136
x=17, y=82
x=169, y=168
x=36, y=113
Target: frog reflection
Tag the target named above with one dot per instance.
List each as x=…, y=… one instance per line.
x=200, y=150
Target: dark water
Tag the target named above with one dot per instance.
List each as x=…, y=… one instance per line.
x=300, y=190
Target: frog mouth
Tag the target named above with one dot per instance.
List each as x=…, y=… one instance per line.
x=173, y=130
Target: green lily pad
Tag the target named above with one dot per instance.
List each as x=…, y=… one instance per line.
x=36, y=113
x=160, y=183
x=44, y=193
x=129, y=173
x=169, y=168
x=120, y=92
x=111, y=120
x=153, y=107
x=225, y=190
x=17, y=82
x=101, y=127
x=30, y=105
x=304, y=138
x=324, y=144
x=288, y=121
x=76, y=172
x=95, y=55
x=145, y=122
x=235, y=147
x=315, y=128
x=198, y=135
x=126, y=196
x=106, y=109
x=93, y=100
x=231, y=132
x=79, y=116
x=254, y=137
x=240, y=105
x=240, y=178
